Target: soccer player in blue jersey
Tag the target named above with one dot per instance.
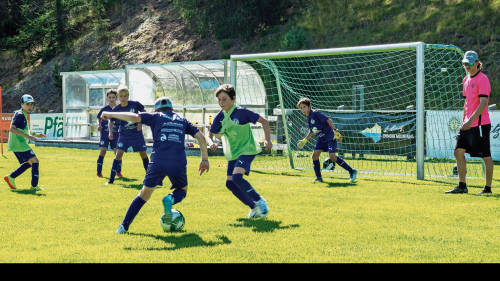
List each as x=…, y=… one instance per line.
x=130, y=133
x=18, y=143
x=168, y=157
x=232, y=126
x=102, y=126
x=327, y=134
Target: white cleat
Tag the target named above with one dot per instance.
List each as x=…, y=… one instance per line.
x=254, y=213
x=121, y=229
x=262, y=205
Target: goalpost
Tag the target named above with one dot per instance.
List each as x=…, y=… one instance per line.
x=397, y=106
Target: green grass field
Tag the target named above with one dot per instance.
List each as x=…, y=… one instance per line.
x=373, y=220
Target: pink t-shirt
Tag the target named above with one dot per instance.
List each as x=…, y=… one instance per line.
x=474, y=88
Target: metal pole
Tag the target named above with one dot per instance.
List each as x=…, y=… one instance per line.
x=420, y=112
x=232, y=73
x=64, y=106
x=1, y=121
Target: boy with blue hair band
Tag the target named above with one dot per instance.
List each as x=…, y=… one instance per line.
x=19, y=135
x=322, y=126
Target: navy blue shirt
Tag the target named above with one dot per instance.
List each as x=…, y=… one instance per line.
x=317, y=123
x=240, y=116
x=19, y=120
x=169, y=130
x=104, y=123
x=128, y=129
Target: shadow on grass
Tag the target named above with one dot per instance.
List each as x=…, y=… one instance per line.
x=188, y=240
x=495, y=196
x=27, y=192
x=339, y=184
x=263, y=225
x=278, y=173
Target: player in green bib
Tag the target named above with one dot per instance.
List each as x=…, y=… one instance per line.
x=19, y=134
x=232, y=126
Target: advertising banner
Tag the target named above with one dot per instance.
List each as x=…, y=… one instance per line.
x=50, y=124
x=6, y=120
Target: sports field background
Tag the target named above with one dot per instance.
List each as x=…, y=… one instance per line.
x=375, y=219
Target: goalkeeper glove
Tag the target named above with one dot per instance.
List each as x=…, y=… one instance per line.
x=337, y=136
x=302, y=143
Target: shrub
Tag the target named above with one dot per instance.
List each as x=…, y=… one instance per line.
x=225, y=44
x=225, y=56
x=296, y=39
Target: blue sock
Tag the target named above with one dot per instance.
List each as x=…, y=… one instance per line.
x=247, y=200
x=245, y=187
x=132, y=211
x=317, y=168
x=34, y=174
x=343, y=164
x=21, y=169
x=178, y=195
x=114, y=170
x=145, y=163
x=119, y=170
x=100, y=161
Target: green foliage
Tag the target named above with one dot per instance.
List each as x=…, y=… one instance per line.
x=225, y=56
x=120, y=49
x=76, y=64
x=296, y=39
x=56, y=69
x=225, y=44
x=103, y=64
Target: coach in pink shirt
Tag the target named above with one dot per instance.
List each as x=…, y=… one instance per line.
x=474, y=134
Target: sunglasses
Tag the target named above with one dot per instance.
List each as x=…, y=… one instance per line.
x=467, y=63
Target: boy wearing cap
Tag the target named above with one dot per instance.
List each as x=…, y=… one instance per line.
x=168, y=157
x=18, y=143
x=130, y=133
x=474, y=134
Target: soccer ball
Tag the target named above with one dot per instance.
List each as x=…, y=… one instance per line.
x=177, y=224
x=329, y=165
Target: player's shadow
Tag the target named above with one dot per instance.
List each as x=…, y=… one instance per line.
x=134, y=186
x=262, y=225
x=339, y=184
x=294, y=174
x=27, y=192
x=188, y=240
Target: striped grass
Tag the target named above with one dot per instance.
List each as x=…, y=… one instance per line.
x=376, y=219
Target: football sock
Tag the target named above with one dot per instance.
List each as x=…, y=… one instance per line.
x=100, y=160
x=145, y=163
x=132, y=211
x=245, y=187
x=242, y=196
x=488, y=188
x=34, y=174
x=462, y=184
x=114, y=170
x=178, y=195
x=119, y=170
x=317, y=168
x=343, y=164
x=21, y=169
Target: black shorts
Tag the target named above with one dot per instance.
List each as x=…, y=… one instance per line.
x=473, y=143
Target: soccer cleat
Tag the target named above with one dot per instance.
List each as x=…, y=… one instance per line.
x=254, y=213
x=262, y=206
x=121, y=229
x=36, y=188
x=458, y=189
x=99, y=175
x=119, y=175
x=109, y=182
x=317, y=180
x=353, y=175
x=11, y=182
x=167, y=207
x=484, y=191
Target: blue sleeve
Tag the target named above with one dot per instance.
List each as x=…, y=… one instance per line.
x=321, y=117
x=100, y=113
x=216, y=123
x=140, y=107
x=148, y=118
x=18, y=120
x=251, y=116
x=191, y=129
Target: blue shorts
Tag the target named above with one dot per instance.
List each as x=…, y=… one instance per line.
x=243, y=161
x=158, y=170
x=330, y=147
x=105, y=142
x=138, y=143
x=24, y=156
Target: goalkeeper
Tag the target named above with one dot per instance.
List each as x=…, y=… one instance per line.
x=328, y=135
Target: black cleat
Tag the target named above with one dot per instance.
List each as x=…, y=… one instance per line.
x=458, y=190
x=484, y=191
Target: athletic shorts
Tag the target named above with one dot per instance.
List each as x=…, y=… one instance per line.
x=330, y=146
x=473, y=143
x=243, y=161
x=24, y=156
x=158, y=170
x=105, y=142
x=138, y=143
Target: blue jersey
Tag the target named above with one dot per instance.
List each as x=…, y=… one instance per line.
x=19, y=120
x=240, y=116
x=128, y=129
x=169, y=130
x=317, y=123
x=104, y=123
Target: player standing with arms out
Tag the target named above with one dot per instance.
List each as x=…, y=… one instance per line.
x=102, y=126
x=18, y=143
x=474, y=134
x=130, y=133
x=327, y=134
x=168, y=157
x=232, y=126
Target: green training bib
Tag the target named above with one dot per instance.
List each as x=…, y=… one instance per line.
x=18, y=143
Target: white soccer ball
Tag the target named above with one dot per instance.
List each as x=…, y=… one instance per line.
x=177, y=223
